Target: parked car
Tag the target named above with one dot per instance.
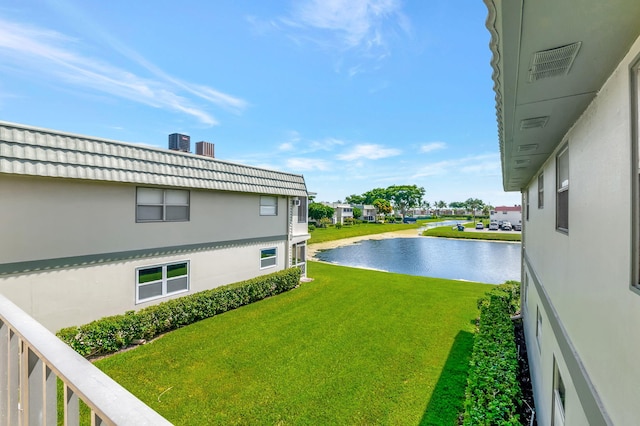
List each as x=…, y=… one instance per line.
x=506, y=226
x=479, y=225
x=517, y=227
x=493, y=226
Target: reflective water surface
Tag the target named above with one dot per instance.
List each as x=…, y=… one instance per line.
x=481, y=261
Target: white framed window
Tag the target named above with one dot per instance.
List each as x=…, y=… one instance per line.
x=538, y=328
x=541, y=191
x=268, y=205
x=157, y=281
x=525, y=291
x=302, y=210
x=162, y=205
x=299, y=256
x=559, y=397
x=268, y=257
x=635, y=168
x=562, y=186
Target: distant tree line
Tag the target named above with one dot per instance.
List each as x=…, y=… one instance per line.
x=396, y=197
x=399, y=198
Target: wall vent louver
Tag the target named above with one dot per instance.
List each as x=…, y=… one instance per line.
x=528, y=147
x=522, y=163
x=534, y=123
x=553, y=62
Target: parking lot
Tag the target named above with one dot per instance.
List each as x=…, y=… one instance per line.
x=486, y=229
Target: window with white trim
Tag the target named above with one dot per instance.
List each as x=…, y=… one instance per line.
x=559, y=397
x=299, y=256
x=538, y=327
x=635, y=168
x=268, y=205
x=157, y=281
x=302, y=210
x=541, y=191
x=562, y=186
x=162, y=205
x=268, y=257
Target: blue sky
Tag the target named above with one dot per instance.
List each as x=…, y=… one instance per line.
x=353, y=94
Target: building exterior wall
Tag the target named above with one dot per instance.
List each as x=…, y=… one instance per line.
x=55, y=218
x=513, y=217
x=300, y=225
x=80, y=294
x=580, y=280
x=75, y=245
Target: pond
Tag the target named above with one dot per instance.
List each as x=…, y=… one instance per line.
x=470, y=260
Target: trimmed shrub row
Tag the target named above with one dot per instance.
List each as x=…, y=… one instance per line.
x=493, y=392
x=111, y=334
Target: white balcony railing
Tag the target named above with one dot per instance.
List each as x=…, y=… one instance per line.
x=31, y=358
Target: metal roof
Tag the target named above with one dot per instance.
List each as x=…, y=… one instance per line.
x=550, y=59
x=27, y=150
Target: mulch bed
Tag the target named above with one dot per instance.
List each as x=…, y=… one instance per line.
x=527, y=409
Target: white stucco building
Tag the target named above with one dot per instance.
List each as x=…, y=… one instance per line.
x=341, y=212
x=567, y=84
x=511, y=214
x=93, y=227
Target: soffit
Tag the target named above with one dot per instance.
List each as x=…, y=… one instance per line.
x=27, y=150
x=519, y=29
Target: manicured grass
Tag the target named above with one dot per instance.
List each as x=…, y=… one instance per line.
x=321, y=235
x=448, y=232
x=352, y=347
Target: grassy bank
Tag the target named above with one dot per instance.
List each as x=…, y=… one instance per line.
x=448, y=232
x=321, y=235
x=352, y=347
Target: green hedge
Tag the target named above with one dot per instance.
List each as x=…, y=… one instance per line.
x=493, y=393
x=110, y=334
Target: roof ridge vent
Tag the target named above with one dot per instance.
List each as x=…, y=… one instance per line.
x=553, y=62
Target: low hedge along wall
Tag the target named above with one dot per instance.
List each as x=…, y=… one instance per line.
x=110, y=334
x=493, y=393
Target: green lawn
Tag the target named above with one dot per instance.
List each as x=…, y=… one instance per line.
x=352, y=347
x=448, y=232
x=320, y=235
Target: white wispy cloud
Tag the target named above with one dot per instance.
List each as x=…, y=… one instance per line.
x=432, y=146
x=307, y=164
x=483, y=164
x=293, y=139
x=56, y=56
x=286, y=146
x=367, y=28
x=355, y=23
x=326, y=144
x=370, y=152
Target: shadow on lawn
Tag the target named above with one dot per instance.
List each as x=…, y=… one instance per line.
x=448, y=396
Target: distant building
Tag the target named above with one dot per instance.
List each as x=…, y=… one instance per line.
x=121, y=227
x=205, y=148
x=511, y=214
x=179, y=142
